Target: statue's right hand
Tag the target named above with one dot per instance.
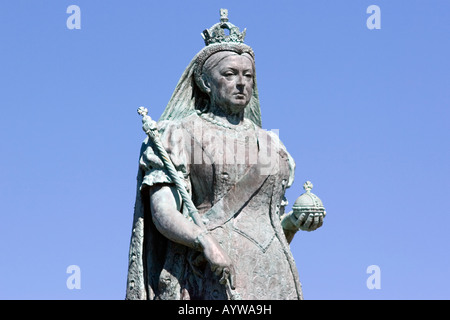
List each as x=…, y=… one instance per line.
x=219, y=260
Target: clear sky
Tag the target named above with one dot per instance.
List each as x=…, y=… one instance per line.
x=365, y=114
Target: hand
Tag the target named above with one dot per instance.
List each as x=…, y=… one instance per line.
x=310, y=221
x=219, y=260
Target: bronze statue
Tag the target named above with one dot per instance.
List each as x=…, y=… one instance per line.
x=209, y=219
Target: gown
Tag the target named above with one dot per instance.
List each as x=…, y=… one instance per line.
x=237, y=179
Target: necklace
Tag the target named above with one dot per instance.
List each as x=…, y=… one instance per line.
x=214, y=120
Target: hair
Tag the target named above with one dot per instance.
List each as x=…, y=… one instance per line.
x=217, y=57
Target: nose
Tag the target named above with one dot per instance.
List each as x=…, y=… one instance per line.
x=240, y=83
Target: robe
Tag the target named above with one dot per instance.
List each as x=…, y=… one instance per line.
x=237, y=178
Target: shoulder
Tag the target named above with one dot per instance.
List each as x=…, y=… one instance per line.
x=169, y=126
x=271, y=137
x=170, y=135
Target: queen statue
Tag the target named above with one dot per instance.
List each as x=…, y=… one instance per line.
x=209, y=220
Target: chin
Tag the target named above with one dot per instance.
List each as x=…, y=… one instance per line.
x=238, y=105
x=237, y=108
x=233, y=106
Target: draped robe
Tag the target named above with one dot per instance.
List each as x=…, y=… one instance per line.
x=237, y=179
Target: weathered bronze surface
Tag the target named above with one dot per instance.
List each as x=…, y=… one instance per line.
x=209, y=219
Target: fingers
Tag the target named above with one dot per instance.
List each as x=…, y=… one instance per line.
x=307, y=224
x=228, y=275
x=321, y=216
x=311, y=221
x=225, y=276
x=301, y=220
x=318, y=221
x=232, y=279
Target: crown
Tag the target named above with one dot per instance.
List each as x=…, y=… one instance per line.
x=217, y=34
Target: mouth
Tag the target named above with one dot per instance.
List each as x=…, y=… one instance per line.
x=239, y=96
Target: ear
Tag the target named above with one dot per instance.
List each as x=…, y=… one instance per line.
x=206, y=87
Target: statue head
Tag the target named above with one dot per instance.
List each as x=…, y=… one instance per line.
x=222, y=73
x=227, y=78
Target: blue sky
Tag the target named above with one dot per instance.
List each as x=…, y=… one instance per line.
x=365, y=114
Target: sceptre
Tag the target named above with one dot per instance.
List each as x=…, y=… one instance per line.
x=150, y=128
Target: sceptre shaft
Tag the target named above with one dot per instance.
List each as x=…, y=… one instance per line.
x=150, y=128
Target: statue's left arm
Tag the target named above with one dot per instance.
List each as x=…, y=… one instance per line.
x=292, y=222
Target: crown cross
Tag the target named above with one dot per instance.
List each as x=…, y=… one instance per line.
x=224, y=15
x=216, y=34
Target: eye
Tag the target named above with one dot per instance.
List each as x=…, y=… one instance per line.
x=228, y=73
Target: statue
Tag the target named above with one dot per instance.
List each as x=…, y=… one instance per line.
x=209, y=219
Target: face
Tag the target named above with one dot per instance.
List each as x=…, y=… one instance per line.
x=231, y=83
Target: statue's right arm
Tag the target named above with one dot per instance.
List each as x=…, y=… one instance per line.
x=164, y=206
